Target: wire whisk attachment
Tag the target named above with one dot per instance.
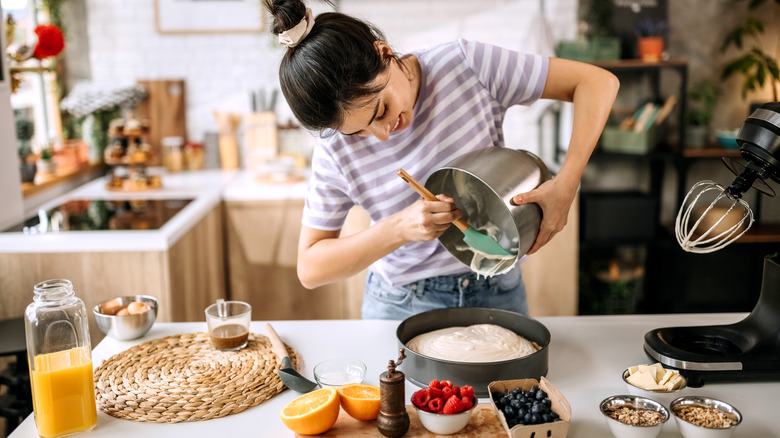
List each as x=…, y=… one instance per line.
x=711, y=218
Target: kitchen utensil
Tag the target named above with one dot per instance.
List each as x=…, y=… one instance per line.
x=483, y=183
x=127, y=327
x=290, y=377
x=421, y=369
x=746, y=350
x=472, y=237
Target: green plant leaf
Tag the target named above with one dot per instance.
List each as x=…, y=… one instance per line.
x=739, y=65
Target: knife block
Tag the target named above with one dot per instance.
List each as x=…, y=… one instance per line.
x=261, y=141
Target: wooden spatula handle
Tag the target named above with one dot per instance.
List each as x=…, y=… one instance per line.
x=276, y=343
x=425, y=193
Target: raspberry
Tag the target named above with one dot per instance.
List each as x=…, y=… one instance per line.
x=467, y=391
x=446, y=383
x=435, y=404
x=434, y=393
x=457, y=390
x=434, y=384
x=452, y=406
x=468, y=402
x=447, y=393
x=420, y=398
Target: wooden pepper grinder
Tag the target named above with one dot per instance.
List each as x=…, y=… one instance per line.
x=393, y=420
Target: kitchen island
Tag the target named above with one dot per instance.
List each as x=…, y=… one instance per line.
x=587, y=356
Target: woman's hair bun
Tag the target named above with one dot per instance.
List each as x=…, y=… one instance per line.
x=285, y=14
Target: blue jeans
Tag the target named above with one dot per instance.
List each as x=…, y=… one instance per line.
x=383, y=301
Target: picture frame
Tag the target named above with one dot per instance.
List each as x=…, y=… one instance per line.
x=208, y=16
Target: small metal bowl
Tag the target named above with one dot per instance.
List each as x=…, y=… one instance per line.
x=665, y=397
x=623, y=430
x=126, y=327
x=690, y=430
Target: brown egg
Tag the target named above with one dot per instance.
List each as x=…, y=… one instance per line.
x=122, y=312
x=137, y=307
x=110, y=307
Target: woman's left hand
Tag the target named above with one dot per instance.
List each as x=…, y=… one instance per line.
x=555, y=202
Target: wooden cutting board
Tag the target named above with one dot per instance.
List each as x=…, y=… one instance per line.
x=165, y=108
x=483, y=423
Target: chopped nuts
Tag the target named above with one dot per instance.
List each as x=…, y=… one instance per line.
x=704, y=416
x=629, y=414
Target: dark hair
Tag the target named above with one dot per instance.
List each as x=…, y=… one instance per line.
x=331, y=68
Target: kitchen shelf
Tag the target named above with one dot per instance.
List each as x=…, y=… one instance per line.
x=44, y=182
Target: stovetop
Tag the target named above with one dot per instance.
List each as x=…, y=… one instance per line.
x=102, y=214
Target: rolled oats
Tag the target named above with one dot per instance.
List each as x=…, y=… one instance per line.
x=704, y=416
x=628, y=414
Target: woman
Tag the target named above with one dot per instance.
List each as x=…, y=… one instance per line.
x=378, y=112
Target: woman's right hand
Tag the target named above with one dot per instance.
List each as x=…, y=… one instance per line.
x=427, y=220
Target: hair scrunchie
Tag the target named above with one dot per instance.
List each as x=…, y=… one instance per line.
x=291, y=37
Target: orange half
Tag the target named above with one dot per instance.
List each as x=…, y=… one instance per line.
x=360, y=401
x=312, y=413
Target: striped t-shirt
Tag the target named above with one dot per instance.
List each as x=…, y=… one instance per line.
x=465, y=90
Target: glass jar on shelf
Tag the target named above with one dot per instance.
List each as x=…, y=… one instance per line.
x=173, y=153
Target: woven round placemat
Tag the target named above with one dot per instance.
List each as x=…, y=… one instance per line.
x=184, y=378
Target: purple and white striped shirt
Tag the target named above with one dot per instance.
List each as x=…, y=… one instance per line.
x=466, y=88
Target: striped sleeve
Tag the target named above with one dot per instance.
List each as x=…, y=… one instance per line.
x=327, y=202
x=511, y=78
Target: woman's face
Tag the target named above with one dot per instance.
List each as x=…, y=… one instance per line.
x=388, y=111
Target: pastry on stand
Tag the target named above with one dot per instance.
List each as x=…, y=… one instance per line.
x=129, y=155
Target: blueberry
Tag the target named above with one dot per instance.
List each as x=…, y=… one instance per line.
x=541, y=395
x=546, y=418
x=533, y=390
x=521, y=412
x=536, y=418
x=554, y=416
x=537, y=409
x=515, y=404
x=527, y=418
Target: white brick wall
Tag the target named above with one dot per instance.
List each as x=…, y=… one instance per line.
x=220, y=69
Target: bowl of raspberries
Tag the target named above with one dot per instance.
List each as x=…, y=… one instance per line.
x=444, y=408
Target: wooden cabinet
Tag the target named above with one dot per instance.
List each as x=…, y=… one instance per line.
x=185, y=278
x=262, y=250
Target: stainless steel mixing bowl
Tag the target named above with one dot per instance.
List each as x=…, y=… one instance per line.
x=128, y=327
x=421, y=369
x=483, y=183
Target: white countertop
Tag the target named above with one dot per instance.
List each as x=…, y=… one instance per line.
x=587, y=355
x=207, y=189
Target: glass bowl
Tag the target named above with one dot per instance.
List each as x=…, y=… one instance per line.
x=337, y=372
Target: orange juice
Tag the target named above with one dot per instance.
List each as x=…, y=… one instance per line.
x=63, y=392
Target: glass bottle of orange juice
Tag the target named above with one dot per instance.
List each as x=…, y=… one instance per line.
x=59, y=354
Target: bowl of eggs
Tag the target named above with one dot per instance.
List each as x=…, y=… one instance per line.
x=126, y=318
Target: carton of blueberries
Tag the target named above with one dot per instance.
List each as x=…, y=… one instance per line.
x=530, y=408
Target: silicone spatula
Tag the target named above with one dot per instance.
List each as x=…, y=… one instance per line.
x=472, y=237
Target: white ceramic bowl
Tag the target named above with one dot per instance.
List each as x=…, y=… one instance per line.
x=127, y=327
x=445, y=424
x=337, y=372
x=622, y=430
x=665, y=397
x=690, y=430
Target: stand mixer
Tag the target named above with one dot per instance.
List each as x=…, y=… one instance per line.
x=710, y=218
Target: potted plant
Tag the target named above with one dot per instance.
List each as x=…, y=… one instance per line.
x=757, y=66
x=46, y=163
x=650, y=44
x=25, y=129
x=702, y=98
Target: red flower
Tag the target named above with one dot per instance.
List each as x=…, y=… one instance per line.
x=50, y=41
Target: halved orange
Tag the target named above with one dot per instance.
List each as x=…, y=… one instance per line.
x=312, y=413
x=360, y=401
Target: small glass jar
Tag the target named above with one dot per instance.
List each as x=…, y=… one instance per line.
x=59, y=354
x=194, y=156
x=173, y=153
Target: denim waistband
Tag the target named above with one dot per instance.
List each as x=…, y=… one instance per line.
x=454, y=281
